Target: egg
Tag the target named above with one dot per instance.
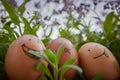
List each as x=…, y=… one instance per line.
x=19, y=64
x=96, y=59
x=69, y=52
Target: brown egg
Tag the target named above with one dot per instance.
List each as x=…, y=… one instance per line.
x=19, y=64
x=96, y=59
x=69, y=52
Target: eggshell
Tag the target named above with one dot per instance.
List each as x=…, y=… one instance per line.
x=95, y=58
x=18, y=63
x=69, y=52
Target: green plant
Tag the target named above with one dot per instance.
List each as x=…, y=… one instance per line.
x=115, y=48
x=53, y=60
x=11, y=29
x=14, y=25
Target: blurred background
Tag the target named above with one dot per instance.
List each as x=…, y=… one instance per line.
x=80, y=21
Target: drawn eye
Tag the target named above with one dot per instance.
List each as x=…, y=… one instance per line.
x=67, y=50
x=29, y=39
x=89, y=50
x=96, y=45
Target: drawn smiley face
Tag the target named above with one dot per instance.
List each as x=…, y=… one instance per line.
x=22, y=62
x=95, y=58
x=99, y=50
x=30, y=44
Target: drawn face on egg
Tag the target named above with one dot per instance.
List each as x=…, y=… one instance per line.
x=67, y=50
x=98, y=51
x=26, y=46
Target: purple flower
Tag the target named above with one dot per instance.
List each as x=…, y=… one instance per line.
x=13, y=2
x=37, y=5
x=118, y=11
x=68, y=2
x=56, y=1
x=106, y=6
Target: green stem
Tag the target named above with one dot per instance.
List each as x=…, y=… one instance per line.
x=56, y=73
x=20, y=30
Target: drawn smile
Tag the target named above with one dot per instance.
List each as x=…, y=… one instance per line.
x=26, y=49
x=104, y=53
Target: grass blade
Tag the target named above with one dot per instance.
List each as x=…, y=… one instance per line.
x=11, y=11
x=43, y=68
x=59, y=52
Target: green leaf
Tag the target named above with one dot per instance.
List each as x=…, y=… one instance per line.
x=2, y=75
x=80, y=71
x=3, y=51
x=1, y=63
x=2, y=67
x=110, y=23
x=63, y=32
x=27, y=27
x=4, y=37
x=51, y=56
x=17, y=34
x=33, y=18
x=21, y=8
x=59, y=52
x=43, y=78
x=35, y=28
x=46, y=40
x=51, y=30
x=11, y=11
x=98, y=77
x=68, y=62
x=66, y=67
x=63, y=69
x=76, y=24
x=43, y=68
x=10, y=31
x=70, y=17
x=115, y=49
x=37, y=54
